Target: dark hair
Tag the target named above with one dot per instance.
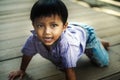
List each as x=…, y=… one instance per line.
x=45, y=8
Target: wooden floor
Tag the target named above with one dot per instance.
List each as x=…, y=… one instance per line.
x=14, y=30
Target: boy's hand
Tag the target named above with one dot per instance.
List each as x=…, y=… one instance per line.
x=20, y=73
x=15, y=74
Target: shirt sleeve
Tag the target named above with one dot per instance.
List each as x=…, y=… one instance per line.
x=70, y=55
x=29, y=47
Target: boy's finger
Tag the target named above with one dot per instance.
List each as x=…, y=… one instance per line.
x=12, y=78
x=10, y=74
x=21, y=76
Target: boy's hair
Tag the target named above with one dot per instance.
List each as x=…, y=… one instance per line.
x=46, y=8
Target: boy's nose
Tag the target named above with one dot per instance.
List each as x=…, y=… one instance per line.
x=47, y=31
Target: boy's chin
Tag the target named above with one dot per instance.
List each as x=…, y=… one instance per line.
x=48, y=44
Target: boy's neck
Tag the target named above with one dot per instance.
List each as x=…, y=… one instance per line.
x=47, y=47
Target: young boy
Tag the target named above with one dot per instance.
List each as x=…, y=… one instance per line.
x=61, y=43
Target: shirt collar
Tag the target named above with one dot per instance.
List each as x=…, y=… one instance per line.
x=33, y=32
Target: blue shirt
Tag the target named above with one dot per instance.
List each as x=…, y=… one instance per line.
x=65, y=52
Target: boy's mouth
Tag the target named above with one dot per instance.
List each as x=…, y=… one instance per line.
x=48, y=39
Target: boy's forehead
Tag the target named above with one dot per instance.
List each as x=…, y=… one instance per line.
x=51, y=17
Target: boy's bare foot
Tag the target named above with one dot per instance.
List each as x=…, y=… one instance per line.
x=105, y=44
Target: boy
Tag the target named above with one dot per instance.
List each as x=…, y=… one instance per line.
x=61, y=43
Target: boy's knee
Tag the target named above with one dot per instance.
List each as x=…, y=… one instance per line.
x=104, y=62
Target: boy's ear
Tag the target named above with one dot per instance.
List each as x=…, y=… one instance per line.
x=66, y=25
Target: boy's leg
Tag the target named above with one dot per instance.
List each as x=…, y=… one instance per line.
x=98, y=54
x=95, y=50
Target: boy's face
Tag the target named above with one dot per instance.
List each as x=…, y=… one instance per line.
x=49, y=29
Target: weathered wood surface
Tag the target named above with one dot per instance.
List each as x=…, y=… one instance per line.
x=14, y=30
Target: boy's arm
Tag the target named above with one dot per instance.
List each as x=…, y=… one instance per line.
x=70, y=74
x=25, y=61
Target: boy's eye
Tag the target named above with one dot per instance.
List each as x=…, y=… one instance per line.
x=54, y=25
x=39, y=26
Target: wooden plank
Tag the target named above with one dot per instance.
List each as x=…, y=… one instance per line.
x=101, y=24
x=14, y=15
x=13, y=25
x=12, y=43
x=109, y=32
x=14, y=19
x=15, y=30
x=116, y=49
x=15, y=1
x=11, y=12
x=11, y=9
x=96, y=73
x=92, y=18
x=10, y=53
x=115, y=76
x=111, y=2
x=38, y=68
x=57, y=77
x=14, y=35
x=20, y=5
x=114, y=40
